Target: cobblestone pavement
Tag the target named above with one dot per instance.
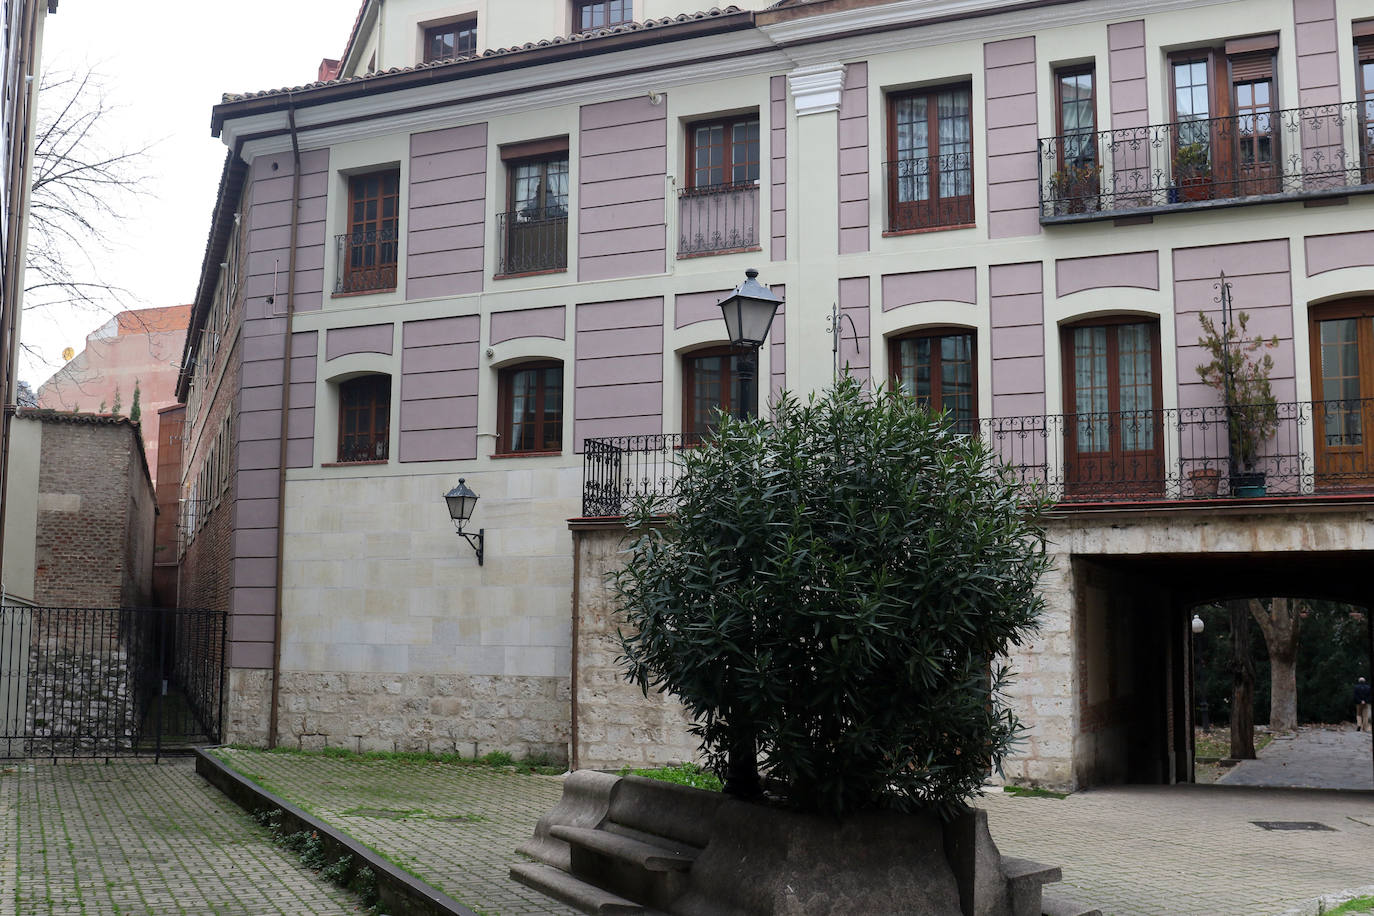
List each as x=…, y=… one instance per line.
x=134, y=837
x=1317, y=757
x=1191, y=850
x=454, y=827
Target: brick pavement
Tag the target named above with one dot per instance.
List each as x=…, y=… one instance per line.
x=134, y=837
x=454, y=827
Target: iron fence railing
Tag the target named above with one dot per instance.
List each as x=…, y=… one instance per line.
x=366, y=261
x=1314, y=447
x=101, y=682
x=531, y=240
x=1255, y=156
x=930, y=192
x=717, y=218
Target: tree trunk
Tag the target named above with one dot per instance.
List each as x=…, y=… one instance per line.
x=1242, y=684
x=1279, y=622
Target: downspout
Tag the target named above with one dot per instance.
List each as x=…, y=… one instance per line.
x=272, y=722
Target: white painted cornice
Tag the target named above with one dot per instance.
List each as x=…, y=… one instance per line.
x=817, y=89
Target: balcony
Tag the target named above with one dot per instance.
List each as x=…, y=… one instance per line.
x=366, y=261
x=1295, y=153
x=717, y=219
x=1318, y=448
x=934, y=192
x=532, y=241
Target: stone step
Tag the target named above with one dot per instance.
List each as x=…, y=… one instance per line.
x=1052, y=904
x=577, y=894
x=1025, y=881
x=625, y=849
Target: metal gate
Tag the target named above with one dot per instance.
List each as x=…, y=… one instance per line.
x=103, y=682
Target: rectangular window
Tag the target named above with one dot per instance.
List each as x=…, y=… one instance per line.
x=601, y=14
x=930, y=158
x=364, y=418
x=534, y=230
x=723, y=152
x=531, y=405
x=368, y=251
x=1076, y=109
x=1364, y=86
x=455, y=39
x=939, y=369
x=710, y=380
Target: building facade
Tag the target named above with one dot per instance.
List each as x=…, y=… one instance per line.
x=503, y=266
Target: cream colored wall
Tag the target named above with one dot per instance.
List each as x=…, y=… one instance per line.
x=21, y=510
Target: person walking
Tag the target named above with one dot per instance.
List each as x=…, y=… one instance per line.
x=1361, y=705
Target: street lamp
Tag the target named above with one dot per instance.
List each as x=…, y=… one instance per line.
x=461, y=503
x=1198, y=680
x=748, y=313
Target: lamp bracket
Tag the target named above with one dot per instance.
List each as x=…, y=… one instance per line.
x=476, y=541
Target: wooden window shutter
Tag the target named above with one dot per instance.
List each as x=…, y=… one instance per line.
x=1256, y=65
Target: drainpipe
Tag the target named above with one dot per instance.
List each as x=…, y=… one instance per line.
x=273, y=718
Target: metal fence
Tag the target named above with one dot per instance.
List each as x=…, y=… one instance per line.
x=717, y=218
x=366, y=260
x=930, y=192
x=104, y=682
x=1261, y=155
x=1314, y=447
x=532, y=240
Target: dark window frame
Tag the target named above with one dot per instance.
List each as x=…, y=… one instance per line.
x=728, y=163
x=691, y=433
x=1060, y=74
x=376, y=407
x=544, y=160
x=386, y=252
x=459, y=28
x=505, y=427
x=934, y=211
x=625, y=15
x=936, y=397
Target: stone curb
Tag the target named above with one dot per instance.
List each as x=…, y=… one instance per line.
x=400, y=893
x=1329, y=901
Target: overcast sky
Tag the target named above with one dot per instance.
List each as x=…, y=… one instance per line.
x=164, y=72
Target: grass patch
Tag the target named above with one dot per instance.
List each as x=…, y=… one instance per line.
x=1216, y=743
x=1030, y=792
x=541, y=764
x=687, y=774
x=1363, y=904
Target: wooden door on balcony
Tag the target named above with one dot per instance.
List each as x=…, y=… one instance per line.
x=1113, y=424
x=1343, y=394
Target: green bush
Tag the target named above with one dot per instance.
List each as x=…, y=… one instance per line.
x=686, y=774
x=833, y=585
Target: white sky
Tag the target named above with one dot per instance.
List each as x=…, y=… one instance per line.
x=164, y=67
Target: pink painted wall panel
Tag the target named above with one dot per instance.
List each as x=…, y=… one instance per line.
x=692, y=308
x=447, y=215
x=369, y=338
x=854, y=181
x=1318, y=55
x=958, y=284
x=1017, y=346
x=300, y=420
x=618, y=382
x=1332, y=252
x=543, y=322
x=854, y=302
x=1260, y=285
x=268, y=212
x=439, y=362
x=1139, y=269
x=777, y=344
x=777, y=170
x=622, y=148
x=1126, y=70
x=1013, y=194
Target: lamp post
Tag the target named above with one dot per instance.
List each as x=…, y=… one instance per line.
x=1198, y=680
x=748, y=313
x=461, y=503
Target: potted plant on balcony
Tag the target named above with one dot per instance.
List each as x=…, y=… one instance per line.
x=1192, y=172
x=1074, y=188
x=1239, y=369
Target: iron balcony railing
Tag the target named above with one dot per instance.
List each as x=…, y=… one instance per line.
x=929, y=193
x=532, y=240
x=717, y=218
x=1245, y=158
x=1316, y=447
x=366, y=261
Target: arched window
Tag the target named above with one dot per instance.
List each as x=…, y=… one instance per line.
x=711, y=379
x=938, y=367
x=365, y=418
x=530, y=396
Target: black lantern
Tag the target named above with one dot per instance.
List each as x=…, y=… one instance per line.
x=461, y=503
x=748, y=313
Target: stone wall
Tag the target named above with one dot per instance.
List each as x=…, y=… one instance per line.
x=246, y=706
x=616, y=725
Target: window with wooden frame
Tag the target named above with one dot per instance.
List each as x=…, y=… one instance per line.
x=723, y=152
x=711, y=380
x=530, y=405
x=1075, y=108
x=601, y=14
x=365, y=418
x=1342, y=342
x=1364, y=86
x=452, y=39
x=534, y=229
x=368, y=251
x=938, y=367
x=930, y=158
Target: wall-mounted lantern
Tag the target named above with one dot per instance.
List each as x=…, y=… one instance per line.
x=461, y=503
